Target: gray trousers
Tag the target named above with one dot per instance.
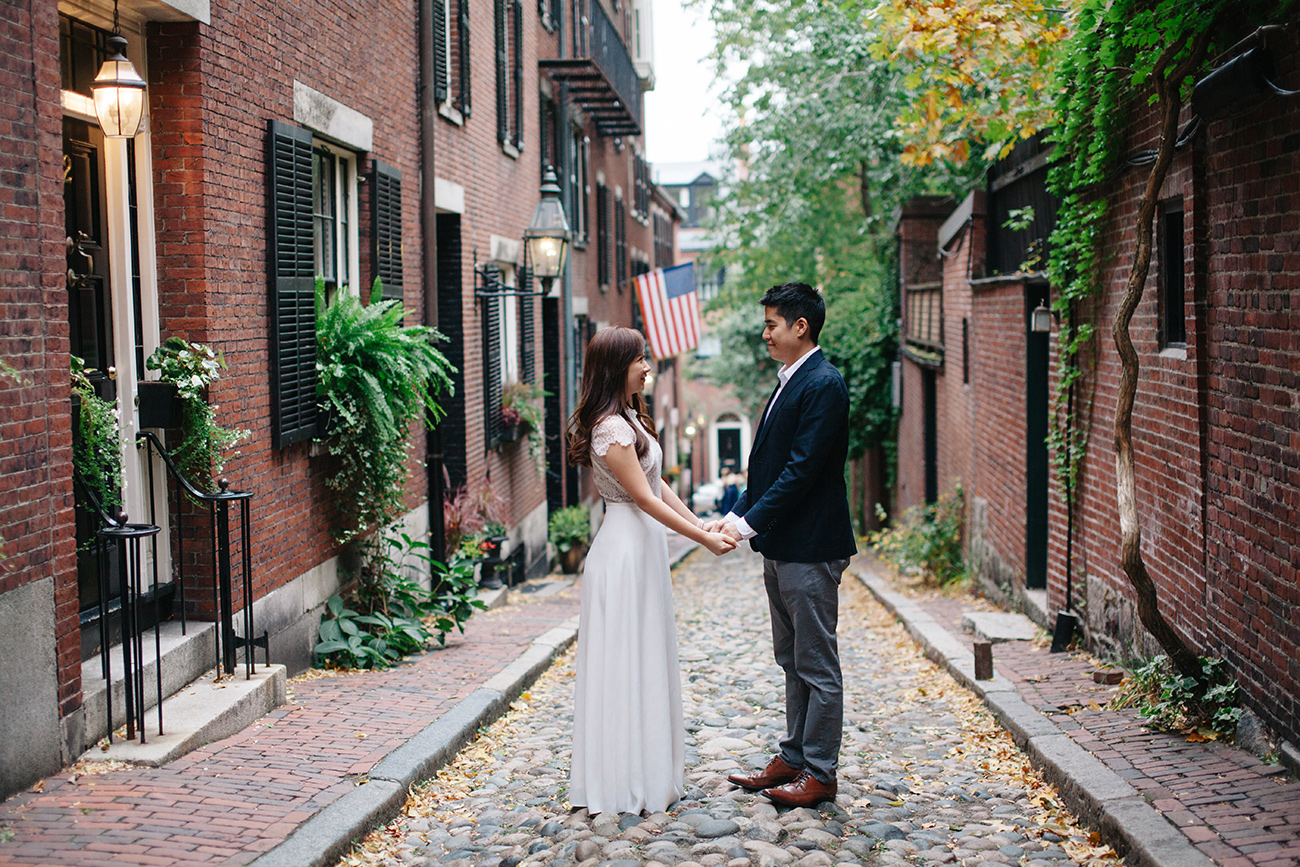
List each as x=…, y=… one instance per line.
x=805, y=601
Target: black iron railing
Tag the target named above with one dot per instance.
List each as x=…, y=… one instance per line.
x=611, y=55
x=117, y=545
x=217, y=505
x=601, y=76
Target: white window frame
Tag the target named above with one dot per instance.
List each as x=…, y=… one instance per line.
x=509, y=328
x=347, y=240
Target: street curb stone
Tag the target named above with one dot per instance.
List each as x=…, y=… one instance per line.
x=1102, y=798
x=325, y=837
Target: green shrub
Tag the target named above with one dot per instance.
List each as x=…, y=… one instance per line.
x=1172, y=702
x=97, y=445
x=927, y=542
x=570, y=527
x=391, y=615
x=375, y=378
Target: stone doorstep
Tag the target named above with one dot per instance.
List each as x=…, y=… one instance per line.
x=998, y=626
x=201, y=713
x=184, y=658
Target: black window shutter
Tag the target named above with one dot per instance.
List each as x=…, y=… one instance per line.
x=503, y=102
x=440, y=50
x=518, y=10
x=492, y=370
x=620, y=242
x=293, y=285
x=386, y=223
x=527, y=335
x=602, y=234
x=462, y=31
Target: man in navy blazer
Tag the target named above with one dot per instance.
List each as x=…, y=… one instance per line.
x=795, y=513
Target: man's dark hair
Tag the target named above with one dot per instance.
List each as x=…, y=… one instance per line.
x=795, y=301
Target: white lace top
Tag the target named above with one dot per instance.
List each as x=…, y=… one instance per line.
x=614, y=429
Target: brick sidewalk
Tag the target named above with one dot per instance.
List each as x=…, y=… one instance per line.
x=1236, y=809
x=229, y=802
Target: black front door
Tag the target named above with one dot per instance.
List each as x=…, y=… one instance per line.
x=90, y=318
x=1036, y=424
x=728, y=450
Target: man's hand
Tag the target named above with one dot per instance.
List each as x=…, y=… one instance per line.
x=713, y=526
x=729, y=529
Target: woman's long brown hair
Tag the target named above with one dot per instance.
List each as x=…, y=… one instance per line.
x=604, y=391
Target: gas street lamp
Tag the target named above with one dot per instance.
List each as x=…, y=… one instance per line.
x=547, y=237
x=118, y=89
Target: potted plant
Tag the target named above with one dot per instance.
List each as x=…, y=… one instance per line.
x=191, y=368
x=510, y=423
x=521, y=403
x=160, y=405
x=569, y=531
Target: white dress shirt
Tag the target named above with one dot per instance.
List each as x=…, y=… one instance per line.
x=784, y=374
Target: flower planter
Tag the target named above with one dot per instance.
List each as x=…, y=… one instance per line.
x=571, y=559
x=160, y=405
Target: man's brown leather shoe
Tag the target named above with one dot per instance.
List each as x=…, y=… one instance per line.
x=805, y=791
x=776, y=773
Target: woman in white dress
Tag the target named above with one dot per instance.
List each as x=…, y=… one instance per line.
x=628, y=731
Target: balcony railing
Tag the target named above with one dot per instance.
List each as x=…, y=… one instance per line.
x=602, y=78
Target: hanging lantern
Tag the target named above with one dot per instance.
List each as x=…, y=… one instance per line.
x=119, y=92
x=547, y=236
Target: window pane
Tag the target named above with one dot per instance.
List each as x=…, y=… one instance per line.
x=324, y=191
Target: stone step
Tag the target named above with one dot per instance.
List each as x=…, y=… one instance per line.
x=202, y=712
x=999, y=626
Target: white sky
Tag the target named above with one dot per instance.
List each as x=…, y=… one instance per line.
x=681, y=114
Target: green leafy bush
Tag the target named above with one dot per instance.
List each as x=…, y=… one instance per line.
x=375, y=377
x=97, y=446
x=927, y=542
x=570, y=527
x=192, y=367
x=1207, y=705
x=391, y=615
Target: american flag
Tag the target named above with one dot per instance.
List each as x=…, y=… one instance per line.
x=671, y=309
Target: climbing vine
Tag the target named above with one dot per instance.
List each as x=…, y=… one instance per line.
x=1102, y=72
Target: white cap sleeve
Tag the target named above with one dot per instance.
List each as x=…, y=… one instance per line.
x=610, y=430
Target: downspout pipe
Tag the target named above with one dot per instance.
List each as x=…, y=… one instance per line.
x=429, y=246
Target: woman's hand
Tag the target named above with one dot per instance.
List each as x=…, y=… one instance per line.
x=719, y=543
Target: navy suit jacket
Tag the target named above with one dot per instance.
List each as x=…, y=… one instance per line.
x=796, y=501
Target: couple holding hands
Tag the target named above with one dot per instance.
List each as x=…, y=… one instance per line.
x=628, y=731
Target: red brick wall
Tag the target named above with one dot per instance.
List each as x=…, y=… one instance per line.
x=213, y=89
x=997, y=375
x=1253, y=435
x=35, y=423
x=919, y=263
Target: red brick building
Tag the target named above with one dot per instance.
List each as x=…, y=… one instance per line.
x=285, y=142
x=1218, y=401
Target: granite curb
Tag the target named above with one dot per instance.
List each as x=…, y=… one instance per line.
x=1102, y=798
x=326, y=836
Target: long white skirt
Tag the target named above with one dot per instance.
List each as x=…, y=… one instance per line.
x=628, y=733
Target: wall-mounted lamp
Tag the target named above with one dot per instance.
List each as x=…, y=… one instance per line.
x=1040, y=320
x=118, y=89
x=547, y=237
x=690, y=430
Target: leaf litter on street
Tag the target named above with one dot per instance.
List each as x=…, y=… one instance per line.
x=984, y=745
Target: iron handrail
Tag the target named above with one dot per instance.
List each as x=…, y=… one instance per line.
x=218, y=504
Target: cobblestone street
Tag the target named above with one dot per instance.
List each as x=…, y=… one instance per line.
x=926, y=776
